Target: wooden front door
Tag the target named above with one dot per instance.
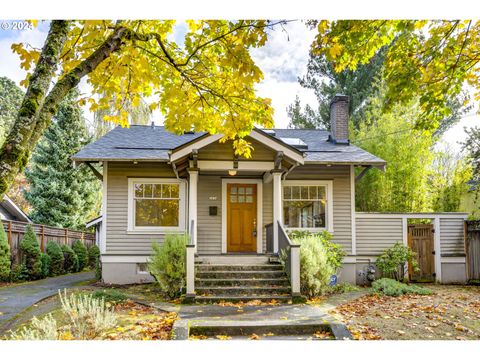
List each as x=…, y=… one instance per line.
x=420, y=240
x=241, y=217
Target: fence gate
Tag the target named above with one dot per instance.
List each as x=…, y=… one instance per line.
x=472, y=249
x=420, y=240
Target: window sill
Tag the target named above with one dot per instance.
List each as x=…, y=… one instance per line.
x=154, y=231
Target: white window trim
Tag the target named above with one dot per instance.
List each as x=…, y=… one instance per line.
x=155, y=229
x=259, y=183
x=329, y=200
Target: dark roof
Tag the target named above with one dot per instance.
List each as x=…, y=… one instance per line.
x=138, y=142
x=154, y=143
x=12, y=211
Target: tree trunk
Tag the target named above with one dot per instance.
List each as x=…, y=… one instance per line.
x=15, y=151
x=38, y=108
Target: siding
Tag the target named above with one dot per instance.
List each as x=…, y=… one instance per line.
x=452, y=236
x=377, y=234
x=119, y=242
x=224, y=151
x=342, y=218
x=209, y=228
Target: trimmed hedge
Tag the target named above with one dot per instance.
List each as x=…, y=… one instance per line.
x=93, y=256
x=5, y=255
x=70, y=263
x=31, y=254
x=82, y=254
x=56, y=258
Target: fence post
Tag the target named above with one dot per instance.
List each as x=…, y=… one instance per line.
x=66, y=236
x=42, y=244
x=9, y=234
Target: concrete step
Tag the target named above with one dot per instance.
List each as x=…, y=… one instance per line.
x=247, y=328
x=236, y=259
x=239, y=267
x=246, y=274
x=241, y=298
x=243, y=290
x=281, y=281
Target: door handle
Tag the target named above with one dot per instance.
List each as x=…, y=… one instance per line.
x=255, y=227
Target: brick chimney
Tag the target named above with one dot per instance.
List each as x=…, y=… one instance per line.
x=339, y=119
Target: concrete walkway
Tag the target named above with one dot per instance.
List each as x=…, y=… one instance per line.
x=17, y=298
x=260, y=316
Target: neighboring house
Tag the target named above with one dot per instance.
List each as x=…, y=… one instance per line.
x=155, y=182
x=97, y=225
x=10, y=211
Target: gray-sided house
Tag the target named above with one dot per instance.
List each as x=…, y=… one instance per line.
x=238, y=211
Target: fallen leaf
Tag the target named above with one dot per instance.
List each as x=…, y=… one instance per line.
x=254, y=337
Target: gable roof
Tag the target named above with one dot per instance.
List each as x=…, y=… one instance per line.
x=155, y=143
x=12, y=210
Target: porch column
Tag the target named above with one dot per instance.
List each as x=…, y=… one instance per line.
x=192, y=204
x=277, y=206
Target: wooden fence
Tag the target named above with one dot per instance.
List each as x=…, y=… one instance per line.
x=15, y=231
x=472, y=249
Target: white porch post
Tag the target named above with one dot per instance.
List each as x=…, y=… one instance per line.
x=192, y=204
x=277, y=207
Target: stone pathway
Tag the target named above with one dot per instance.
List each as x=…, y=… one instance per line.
x=17, y=298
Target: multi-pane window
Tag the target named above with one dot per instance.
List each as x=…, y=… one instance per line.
x=304, y=206
x=241, y=194
x=156, y=204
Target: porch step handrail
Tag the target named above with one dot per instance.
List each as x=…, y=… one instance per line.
x=292, y=261
x=190, y=261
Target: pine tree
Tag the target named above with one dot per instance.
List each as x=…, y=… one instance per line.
x=5, y=261
x=31, y=254
x=62, y=195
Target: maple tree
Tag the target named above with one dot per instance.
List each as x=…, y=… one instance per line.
x=433, y=60
x=205, y=83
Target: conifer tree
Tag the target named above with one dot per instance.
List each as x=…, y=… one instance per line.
x=5, y=261
x=62, y=195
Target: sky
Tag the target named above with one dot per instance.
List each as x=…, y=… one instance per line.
x=283, y=59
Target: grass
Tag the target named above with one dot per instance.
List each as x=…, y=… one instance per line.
x=448, y=312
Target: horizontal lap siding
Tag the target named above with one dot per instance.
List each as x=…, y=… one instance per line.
x=452, y=236
x=377, y=234
x=267, y=210
x=225, y=151
x=209, y=229
x=118, y=241
x=342, y=207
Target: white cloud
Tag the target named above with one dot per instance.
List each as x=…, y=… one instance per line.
x=283, y=59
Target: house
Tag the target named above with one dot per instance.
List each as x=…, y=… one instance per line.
x=10, y=211
x=237, y=210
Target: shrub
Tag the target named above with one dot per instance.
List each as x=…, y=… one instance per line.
x=98, y=270
x=19, y=273
x=335, y=252
x=316, y=268
x=392, y=287
x=5, y=255
x=93, y=256
x=82, y=254
x=392, y=261
x=46, y=261
x=70, y=263
x=56, y=258
x=110, y=296
x=86, y=318
x=31, y=254
x=39, y=329
x=167, y=264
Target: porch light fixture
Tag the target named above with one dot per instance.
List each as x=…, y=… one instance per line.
x=232, y=172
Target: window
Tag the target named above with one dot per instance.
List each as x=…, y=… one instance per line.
x=306, y=205
x=156, y=204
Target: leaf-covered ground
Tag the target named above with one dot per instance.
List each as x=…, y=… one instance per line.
x=452, y=312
